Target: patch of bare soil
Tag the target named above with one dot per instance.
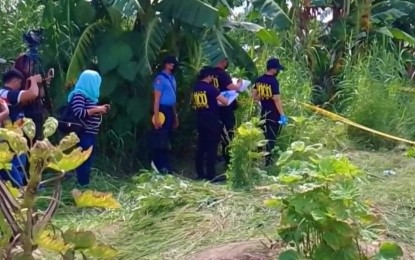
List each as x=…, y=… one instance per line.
x=249, y=250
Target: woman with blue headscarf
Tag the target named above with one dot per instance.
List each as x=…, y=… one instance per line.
x=84, y=104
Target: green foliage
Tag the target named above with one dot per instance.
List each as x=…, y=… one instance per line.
x=26, y=226
x=16, y=17
x=246, y=158
x=322, y=213
x=375, y=98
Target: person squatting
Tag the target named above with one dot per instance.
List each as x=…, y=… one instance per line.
x=215, y=117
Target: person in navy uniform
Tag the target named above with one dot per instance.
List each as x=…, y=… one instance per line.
x=223, y=81
x=266, y=90
x=206, y=99
x=165, y=102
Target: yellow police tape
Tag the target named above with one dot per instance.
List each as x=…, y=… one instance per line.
x=336, y=117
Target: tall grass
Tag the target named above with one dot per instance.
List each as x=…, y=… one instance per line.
x=373, y=87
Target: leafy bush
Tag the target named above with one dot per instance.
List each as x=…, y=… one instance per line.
x=322, y=215
x=246, y=158
x=23, y=227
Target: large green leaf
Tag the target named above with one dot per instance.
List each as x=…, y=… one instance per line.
x=271, y=10
x=84, y=49
x=240, y=58
x=109, y=84
x=397, y=34
x=215, y=46
x=153, y=39
x=128, y=70
x=194, y=12
x=126, y=7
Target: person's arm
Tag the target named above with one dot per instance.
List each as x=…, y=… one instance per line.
x=227, y=81
x=33, y=92
x=254, y=92
x=78, y=105
x=4, y=114
x=158, y=88
x=222, y=100
x=276, y=96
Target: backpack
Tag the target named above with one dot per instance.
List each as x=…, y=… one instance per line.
x=67, y=122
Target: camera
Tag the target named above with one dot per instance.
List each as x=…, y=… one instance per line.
x=33, y=38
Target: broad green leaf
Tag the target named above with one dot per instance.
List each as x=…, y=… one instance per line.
x=134, y=109
x=83, y=51
x=390, y=250
x=123, y=52
x=194, y=12
x=6, y=155
x=334, y=240
x=71, y=161
x=388, y=15
x=298, y=146
x=94, y=199
x=126, y=7
x=271, y=10
x=401, y=35
x=49, y=127
x=80, y=239
x=153, y=39
x=284, y=157
x=84, y=13
x=268, y=36
x=215, y=46
x=109, y=85
x=290, y=254
x=240, y=58
x=128, y=70
x=323, y=252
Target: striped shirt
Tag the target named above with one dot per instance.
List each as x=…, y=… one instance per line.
x=80, y=105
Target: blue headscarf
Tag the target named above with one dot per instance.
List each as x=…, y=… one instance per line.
x=88, y=85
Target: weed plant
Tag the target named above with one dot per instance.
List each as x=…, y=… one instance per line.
x=323, y=215
x=373, y=97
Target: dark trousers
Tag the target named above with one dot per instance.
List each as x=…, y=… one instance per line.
x=16, y=175
x=227, y=118
x=84, y=170
x=209, y=130
x=271, y=130
x=160, y=140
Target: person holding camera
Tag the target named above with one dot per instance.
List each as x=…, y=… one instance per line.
x=14, y=96
x=34, y=109
x=83, y=100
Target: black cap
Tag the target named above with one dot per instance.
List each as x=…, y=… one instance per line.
x=205, y=72
x=274, y=63
x=170, y=59
x=12, y=74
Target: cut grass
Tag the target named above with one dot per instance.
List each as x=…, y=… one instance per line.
x=170, y=218
x=394, y=195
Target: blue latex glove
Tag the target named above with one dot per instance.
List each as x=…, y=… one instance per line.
x=283, y=120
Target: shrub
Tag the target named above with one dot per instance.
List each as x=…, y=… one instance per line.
x=23, y=227
x=246, y=158
x=322, y=215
